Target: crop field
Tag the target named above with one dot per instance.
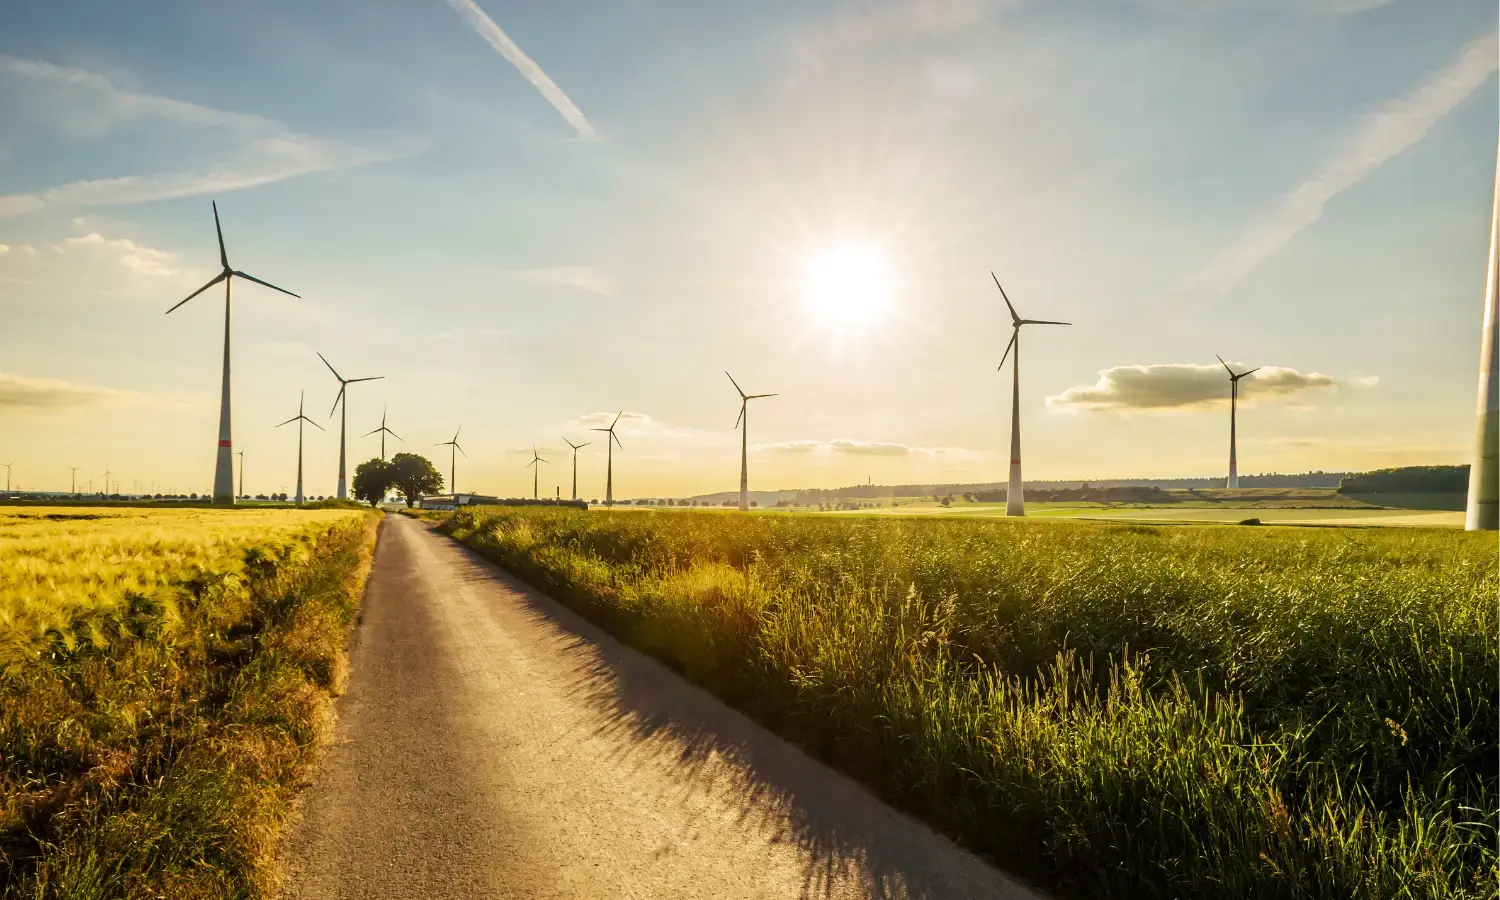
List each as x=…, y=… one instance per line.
x=1368, y=516
x=1114, y=710
x=164, y=678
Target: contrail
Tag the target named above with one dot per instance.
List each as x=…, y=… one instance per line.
x=1384, y=134
x=525, y=65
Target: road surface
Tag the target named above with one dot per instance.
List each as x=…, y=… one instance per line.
x=493, y=744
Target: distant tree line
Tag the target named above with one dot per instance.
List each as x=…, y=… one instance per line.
x=1408, y=480
x=988, y=491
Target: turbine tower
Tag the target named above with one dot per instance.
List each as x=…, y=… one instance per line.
x=535, y=473
x=75, y=477
x=453, y=461
x=344, y=419
x=299, y=418
x=383, y=431
x=242, y=473
x=576, y=448
x=1484, y=474
x=609, y=470
x=224, y=463
x=107, y=473
x=744, y=441
x=1234, y=400
x=1015, y=500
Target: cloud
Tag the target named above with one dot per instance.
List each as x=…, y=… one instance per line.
x=90, y=254
x=582, y=278
x=1382, y=135
x=272, y=151
x=138, y=258
x=1176, y=386
x=790, y=447
x=492, y=33
x=847, y=447
x=48, y=394
x=874, y=23
x=1310, y=7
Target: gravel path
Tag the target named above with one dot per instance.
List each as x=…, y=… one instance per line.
x=494, y=744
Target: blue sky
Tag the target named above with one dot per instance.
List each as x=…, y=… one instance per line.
x=1300, y=184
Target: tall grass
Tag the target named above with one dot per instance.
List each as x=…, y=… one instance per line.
x=1118, y=711
x=164, y=677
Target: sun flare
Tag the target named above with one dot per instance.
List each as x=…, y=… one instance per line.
x=848, y=286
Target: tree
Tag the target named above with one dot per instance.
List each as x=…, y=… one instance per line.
x=414, y=477
x=373, y=479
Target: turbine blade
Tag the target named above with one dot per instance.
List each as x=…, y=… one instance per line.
x=394, y=434
x=291, y=420
x=759, y=396
x=741, y=415
x=223, y=255
x=617, y=440
x=1042, y=322
x=460, y=449
x=617, y=420
x=371, y=378
x=267, y=284
x=1252, y=371
x=1014, y=335
x=336, y=400
x=331, y=368
x=368, y=433
x=1013, y=316
x=582, y=445
x=1224, y=364
x=735, y=383
x=216, y=279
x=598, y=429
x=313, y=424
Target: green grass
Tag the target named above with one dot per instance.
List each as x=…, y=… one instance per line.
x=164, y=681
x=1113, y=710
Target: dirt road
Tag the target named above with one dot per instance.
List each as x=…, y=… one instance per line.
x=494, y=744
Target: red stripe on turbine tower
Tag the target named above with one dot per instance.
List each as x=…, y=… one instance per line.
x=225, y=443
x=1015, y=462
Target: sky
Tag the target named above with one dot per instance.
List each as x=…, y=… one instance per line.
x=528, y=218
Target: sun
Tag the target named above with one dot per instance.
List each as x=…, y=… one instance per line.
x=847, y=287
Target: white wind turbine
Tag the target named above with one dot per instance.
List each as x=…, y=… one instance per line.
x=1015, y=500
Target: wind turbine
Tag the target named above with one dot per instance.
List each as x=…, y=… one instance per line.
x=536, y=472
x=299, y=418
x=107, y=473
x=1015, y=500
x=1234, y=399
x=453, y=460
x=383, y=431
x=242, y=473
x=7, y=475
x=744, y=441
x=609, y=471
x=576, y=448
x=224, y=463
x=344, y=419
x=1483, y=506
x=75, y=477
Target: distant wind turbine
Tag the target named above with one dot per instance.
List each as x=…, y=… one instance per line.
x=344, y=419
x=75, y=477
x=299, y=418
x=453, y=460
x=576, y=448
x=1015, y=500
x=744, y=441
x=1234, y=400
x=242, y=473
x=108, y=473
x=536, y=471
x=7, y=474
x=383, y=431
x=609, y=471
x=224, y=463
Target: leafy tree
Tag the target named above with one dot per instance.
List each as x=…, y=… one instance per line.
x=373, y=479
x=414, y=477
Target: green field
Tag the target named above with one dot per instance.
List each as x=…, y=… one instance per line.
x=1196, y=513
x=1115, y=710
x=164, y=678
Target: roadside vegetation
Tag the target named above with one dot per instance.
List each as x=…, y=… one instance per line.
x=1112, y=710
x=164, y=680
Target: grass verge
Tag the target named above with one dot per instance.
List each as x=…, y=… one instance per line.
x=155, y=729
x=1116, y=711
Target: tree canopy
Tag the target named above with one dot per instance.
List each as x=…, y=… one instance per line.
x=373, y=479
x=414, y=477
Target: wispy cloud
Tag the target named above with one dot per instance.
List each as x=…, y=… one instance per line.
x=19, y=393
x=272, y=152
x=91, y=253
x=1384, y=134
x=497, y=38
x=847, y=447
x=1310, y=7
x=582, y=278
x=1175, y=386
x=852, y=27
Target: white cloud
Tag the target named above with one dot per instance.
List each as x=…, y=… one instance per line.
x=847, y=447
x=497, y=38
x=19, y=393
x=582, y=278
x=4, y=249
x=138, y=258
x=1382, y=135
x=853, y=27
x=272, y=151
x=1178, y=386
